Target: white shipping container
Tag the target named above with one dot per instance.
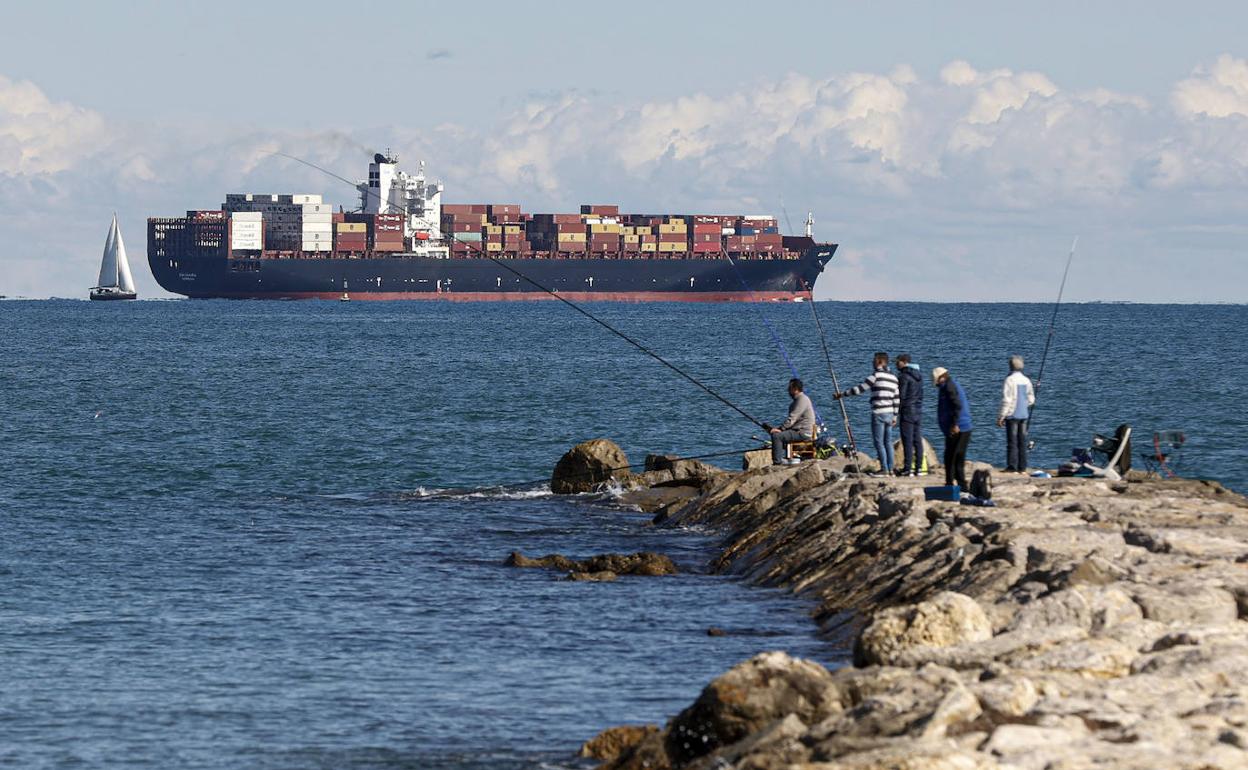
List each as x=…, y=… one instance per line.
x=247, y=216
x=248, y=244
x=316, y=247
x=727, y=231
x=317, y=208
x=318, y=218
x=304, y=198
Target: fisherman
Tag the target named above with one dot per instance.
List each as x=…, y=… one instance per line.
x=1017, y=397
x=884, y=407
x=910, y=392
x=798, y=426
x=953, y=413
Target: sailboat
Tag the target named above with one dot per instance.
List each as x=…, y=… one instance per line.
x=115, y=279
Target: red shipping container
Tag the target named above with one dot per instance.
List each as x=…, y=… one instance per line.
x=387, y=247
x=705, y=247
x=670, y=237
x=601, y=210
x=461, y=227
x=714, y=228
x=494, y=209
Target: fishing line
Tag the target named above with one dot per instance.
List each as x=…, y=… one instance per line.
x=827, y=356
x=1049, y=340
x=567, y=302
x=775, y=336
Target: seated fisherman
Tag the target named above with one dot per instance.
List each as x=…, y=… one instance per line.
x=798, y=426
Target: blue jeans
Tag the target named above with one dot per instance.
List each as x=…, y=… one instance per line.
x=1015, y=444
x=912, y=444
x=882, y=432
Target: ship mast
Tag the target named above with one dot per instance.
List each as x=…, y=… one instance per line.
x=810, y=224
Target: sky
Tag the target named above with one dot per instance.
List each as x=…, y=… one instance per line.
x=953, y=149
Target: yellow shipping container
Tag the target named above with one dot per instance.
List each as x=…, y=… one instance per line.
x=642, y=231
x=351, y=227
x=628, y=231
x=673, y=247
x=612, y=229
x=494, y=246
x=511, y=229
x=492, y=230
x=672, y=228
x=631, y=238
x=649, y=247
x=571, y=237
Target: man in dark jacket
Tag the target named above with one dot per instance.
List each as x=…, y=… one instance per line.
x=910, y=384
x=953, y=412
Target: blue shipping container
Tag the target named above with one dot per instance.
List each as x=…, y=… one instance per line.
x=747, y=231
x=771, y=230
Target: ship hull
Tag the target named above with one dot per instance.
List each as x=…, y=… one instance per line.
x=411, y=277
x=111, y=296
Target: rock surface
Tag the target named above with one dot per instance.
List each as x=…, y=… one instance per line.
x=1081, y=623
x=642, y=563
x=587, y=466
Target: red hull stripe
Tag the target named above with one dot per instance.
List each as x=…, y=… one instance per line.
x=505, y=296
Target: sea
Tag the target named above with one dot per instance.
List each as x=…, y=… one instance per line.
x=272, y=534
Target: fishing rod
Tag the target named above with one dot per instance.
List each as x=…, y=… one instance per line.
x=823, y=340
x=570, y=304
x=1031, y=444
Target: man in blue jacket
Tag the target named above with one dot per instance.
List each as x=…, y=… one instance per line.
x=910, y=383
x=953, y=412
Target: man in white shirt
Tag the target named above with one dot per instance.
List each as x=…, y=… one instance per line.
x=1018, y=395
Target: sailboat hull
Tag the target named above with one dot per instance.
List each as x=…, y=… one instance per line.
x=111, y=294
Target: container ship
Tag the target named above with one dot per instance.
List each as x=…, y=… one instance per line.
x=404, y=243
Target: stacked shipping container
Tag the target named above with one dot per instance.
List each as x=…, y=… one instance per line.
x=304, y=223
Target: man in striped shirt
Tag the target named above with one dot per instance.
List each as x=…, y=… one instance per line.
x=885, y=403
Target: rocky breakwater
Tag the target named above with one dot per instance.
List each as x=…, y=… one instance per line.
x=1079, y=624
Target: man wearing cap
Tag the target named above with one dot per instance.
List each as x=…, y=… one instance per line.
x=953, y=413
x=1018, y=395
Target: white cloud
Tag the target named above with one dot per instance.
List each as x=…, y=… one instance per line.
x=936, y=186
x=1218, y=91
x=39, y=136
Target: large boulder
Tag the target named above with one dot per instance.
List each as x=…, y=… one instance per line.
x=752, y=695
x=932, y=460
x=587, y=465
x=945, y=620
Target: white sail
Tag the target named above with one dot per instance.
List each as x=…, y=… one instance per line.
x=124, y=279
x=108, y=265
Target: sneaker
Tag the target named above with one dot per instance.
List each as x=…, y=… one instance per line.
x=795, y=461
x=914, y=474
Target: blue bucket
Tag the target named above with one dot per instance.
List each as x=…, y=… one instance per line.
x=946, y=494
